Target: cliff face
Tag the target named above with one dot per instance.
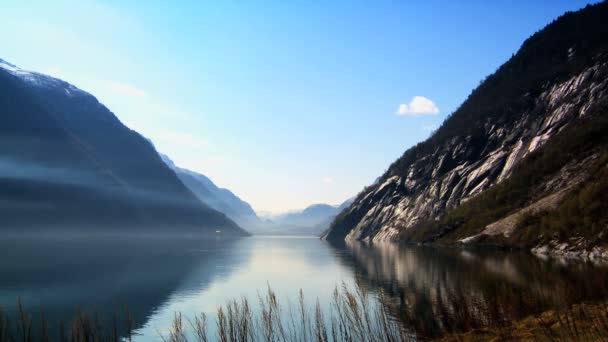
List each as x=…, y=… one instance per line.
x=559, y=76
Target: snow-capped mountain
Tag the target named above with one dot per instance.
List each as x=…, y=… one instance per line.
x=40, y=80
x=68, y=162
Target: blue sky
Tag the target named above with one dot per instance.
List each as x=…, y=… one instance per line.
x=285, y=103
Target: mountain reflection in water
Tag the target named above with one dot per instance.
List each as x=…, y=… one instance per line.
x=433, y=291
x=429, y=290
x=117, y=279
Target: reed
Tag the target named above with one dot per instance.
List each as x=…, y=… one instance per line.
x=352, y=315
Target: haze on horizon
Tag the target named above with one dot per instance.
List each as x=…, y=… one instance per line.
x=284, y=104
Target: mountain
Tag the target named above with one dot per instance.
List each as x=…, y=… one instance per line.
x=312, y=220
x=521, y=163
x=68, y=162
x=310, y=216
x=220, y=199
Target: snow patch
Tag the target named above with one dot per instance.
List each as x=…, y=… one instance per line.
x=41, y=80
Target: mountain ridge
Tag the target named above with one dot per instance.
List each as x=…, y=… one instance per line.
x=220, y=199
x=312, y=220
x=556, y=78
x=105, y=174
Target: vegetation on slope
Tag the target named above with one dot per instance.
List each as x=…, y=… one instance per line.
x=583, y=214
x=583, y=211
x=510, y=91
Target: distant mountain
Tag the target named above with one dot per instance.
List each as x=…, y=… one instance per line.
x=220, y=199
x=310, y=216
x=68, y=162
x=521, y=163
x=313, y=220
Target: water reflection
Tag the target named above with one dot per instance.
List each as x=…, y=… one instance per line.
x=430, y=290
x=433, y=291
x=104, y=274
x=286, y=264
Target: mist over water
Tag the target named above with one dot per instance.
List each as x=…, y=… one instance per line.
x=156, y=276
x=18, y=170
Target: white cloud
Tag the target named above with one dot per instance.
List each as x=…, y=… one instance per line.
x=126, y=89
x=417, y=106
x=328, y=180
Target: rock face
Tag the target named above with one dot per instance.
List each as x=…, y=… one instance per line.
x=558, y=77
x=67, y=162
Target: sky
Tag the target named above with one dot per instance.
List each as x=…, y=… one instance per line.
x=284, y=103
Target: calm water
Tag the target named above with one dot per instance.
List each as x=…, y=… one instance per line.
x=429, y=290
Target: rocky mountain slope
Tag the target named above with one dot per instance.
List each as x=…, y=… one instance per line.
x=553, y=89
x=68, y=162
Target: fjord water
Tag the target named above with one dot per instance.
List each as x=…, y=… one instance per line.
x=429, y=290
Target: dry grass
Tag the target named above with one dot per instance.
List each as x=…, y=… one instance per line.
x=351, y=318
x=580, y=322
x=353, y=315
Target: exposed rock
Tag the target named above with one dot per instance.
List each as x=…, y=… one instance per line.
x=576, y=248
x=401, y=201
x=547, y=87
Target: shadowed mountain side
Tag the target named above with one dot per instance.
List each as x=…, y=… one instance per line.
x=105, y=274
x=67, y=160
x=220, y=199
x=313, y=220
x=433, y=291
